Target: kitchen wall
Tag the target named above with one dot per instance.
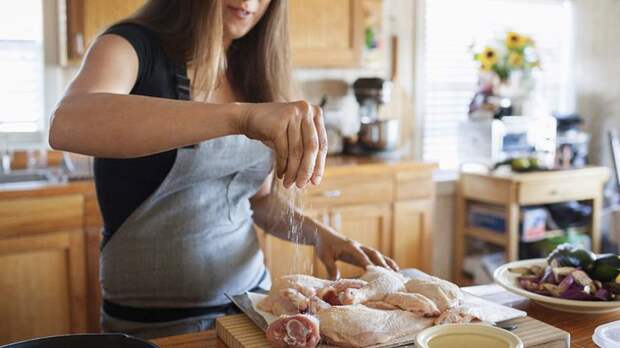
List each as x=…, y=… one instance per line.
x=597, y=70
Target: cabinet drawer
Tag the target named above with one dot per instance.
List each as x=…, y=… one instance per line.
x=412, y=185
x=23, y=216
x=351, y=190
x=550, y=191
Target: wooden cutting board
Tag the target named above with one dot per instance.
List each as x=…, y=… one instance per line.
x=237, y=331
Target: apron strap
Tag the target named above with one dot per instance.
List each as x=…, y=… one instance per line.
x=183, y=88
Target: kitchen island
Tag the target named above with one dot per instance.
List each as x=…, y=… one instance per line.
x=580, y=326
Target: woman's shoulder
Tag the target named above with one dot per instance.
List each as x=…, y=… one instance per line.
x=137, y=34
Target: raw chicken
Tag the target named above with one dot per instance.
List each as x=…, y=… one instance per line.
x=360, y=326
x=379, y=307
x=443, y=293
x=380, y=283
x=415, y=303
x=292, y=294
x=459, y=315
x=300, y=331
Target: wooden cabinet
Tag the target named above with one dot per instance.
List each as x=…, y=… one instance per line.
x=42, y=263
x=87, y=18
x=326, y=33
x=413, y=244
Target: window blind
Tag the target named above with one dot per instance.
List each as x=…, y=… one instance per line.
x=449, y=75
x=21, y=66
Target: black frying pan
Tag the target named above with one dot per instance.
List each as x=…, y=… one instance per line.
x=84, y=341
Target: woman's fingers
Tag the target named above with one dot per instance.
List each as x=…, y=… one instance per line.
x=322, y=152
x=311, y=148
x=355, y=255
x=281, y=147
x=295, y=148
x=376, y=257
x=332, y=268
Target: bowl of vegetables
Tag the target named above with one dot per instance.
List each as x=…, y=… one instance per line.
x=570, y=279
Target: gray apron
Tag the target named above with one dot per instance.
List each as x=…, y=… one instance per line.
x=193, y=239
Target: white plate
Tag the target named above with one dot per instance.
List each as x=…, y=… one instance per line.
x=508, y=280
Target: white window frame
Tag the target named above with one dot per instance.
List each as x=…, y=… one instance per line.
x=53, y=63
x=419, y=78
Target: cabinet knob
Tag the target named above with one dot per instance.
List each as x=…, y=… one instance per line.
x=337, y=221
x=332, y=194
x=325, y=219
x=79, y=43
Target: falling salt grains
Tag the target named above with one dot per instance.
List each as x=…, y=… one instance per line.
x=295, y=232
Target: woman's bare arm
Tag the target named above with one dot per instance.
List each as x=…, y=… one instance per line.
x=97, y=116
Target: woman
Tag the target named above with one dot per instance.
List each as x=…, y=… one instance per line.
x=184, y=105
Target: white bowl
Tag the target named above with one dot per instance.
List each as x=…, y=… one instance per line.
x=508, y=280
x=467, y=335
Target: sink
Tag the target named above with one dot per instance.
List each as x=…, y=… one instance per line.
x=27, y=177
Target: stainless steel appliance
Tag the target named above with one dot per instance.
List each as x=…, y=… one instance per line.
x=377, y=134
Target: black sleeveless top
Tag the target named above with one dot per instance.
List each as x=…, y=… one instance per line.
x=123, y=184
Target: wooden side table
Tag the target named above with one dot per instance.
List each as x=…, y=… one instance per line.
x=514, y=190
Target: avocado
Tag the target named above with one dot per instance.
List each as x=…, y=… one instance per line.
x=606, y=268
x=566, y=255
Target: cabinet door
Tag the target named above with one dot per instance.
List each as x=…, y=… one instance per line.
x=42, y=286
x=283, y=257
x=412, y=234
x=87, y=18
x=368, y=224
x=326, y=33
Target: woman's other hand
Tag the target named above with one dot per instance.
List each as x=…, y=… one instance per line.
x=296, y=132
x=331, y=247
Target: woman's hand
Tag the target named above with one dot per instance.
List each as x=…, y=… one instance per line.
x=297, y=134
x=331, y=247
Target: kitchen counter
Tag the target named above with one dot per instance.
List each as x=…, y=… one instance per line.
x=580, y=326
x=335, y=166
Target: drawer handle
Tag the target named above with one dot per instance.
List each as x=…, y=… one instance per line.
x=553, y=192
x=332, y=194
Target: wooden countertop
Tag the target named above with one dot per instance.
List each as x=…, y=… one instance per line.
x=47, y=189
x=600, y=173
x=580, y=326
x=335, y=166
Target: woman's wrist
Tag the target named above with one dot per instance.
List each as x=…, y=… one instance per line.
x=240, y=113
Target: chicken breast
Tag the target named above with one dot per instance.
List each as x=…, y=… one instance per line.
x=361, y=326
x=444, y=294
x=380, y=282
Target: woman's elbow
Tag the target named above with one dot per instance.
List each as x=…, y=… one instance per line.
x=58, y=136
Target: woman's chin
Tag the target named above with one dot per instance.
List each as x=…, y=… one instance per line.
x=234, y=32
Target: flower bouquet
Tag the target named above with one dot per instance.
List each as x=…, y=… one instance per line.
x=505, y=75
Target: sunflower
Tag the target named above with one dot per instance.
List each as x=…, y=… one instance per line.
x=515, y=60
x=515, y=41
x=488, y=57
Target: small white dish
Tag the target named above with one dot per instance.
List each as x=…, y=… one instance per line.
x=467, y=335
x=607, y=335
x=508, y=280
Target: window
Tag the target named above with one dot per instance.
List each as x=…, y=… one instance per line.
x=448, y=75
x=21, y=67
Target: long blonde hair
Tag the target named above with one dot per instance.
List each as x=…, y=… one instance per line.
x=257, y=64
